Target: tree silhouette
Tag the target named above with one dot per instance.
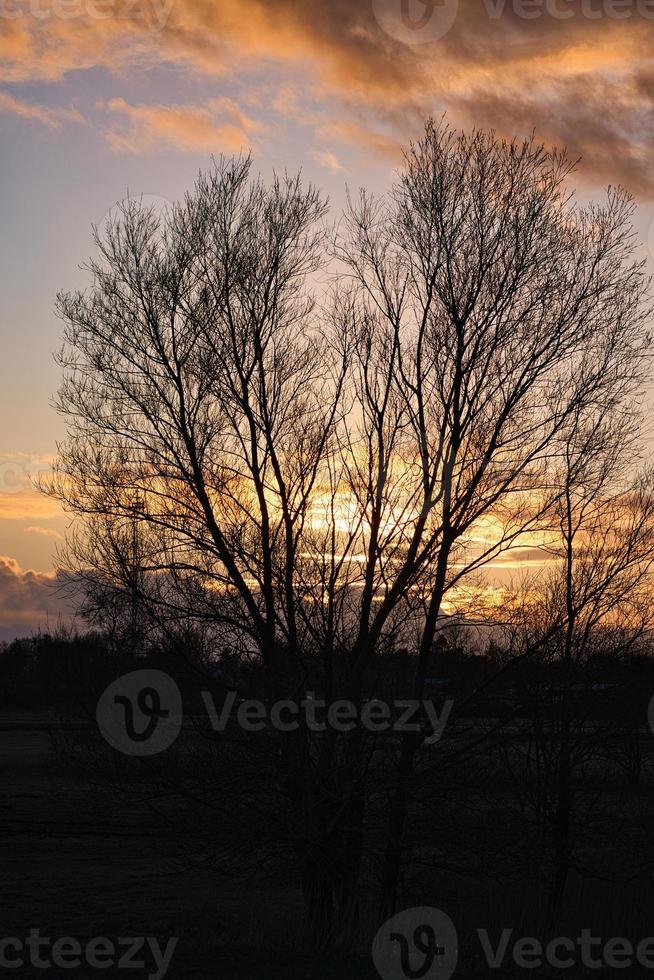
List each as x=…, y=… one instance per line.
x=318, y=425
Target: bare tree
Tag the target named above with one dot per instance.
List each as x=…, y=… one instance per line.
x=318, y=480
x=594, y=597
x=513, y=318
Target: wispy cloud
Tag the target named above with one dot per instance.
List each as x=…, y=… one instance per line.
x=286, y=100
x=219, y=126
x=46, y=532
x=365, y=138
x=328, y=160
x=50, y=117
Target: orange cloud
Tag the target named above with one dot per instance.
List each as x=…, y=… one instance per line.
x=579, y=73
x=28, y=505
x=328, y=160
x=377, y=144
x=52, y=118
x=220, y=126
x=19, y=497
x=287, y=101
x=46, y=532
x=41, y=42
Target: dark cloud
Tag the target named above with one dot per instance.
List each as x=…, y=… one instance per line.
x=29, y=601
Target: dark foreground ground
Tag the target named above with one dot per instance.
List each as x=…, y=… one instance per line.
x=79, y=861
x=71, y=869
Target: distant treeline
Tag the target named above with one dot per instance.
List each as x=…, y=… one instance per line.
x=68, y=671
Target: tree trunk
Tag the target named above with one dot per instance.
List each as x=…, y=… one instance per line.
x=330, y=850
x=330, y=879
x=397, y=825
x=562, y=820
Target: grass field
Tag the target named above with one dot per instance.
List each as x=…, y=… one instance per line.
x=80, y=860
x=73, y=868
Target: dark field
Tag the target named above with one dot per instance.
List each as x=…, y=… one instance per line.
x=82, y=858
x=77, y=868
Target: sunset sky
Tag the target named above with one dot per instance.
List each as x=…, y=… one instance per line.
x=102, y=97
